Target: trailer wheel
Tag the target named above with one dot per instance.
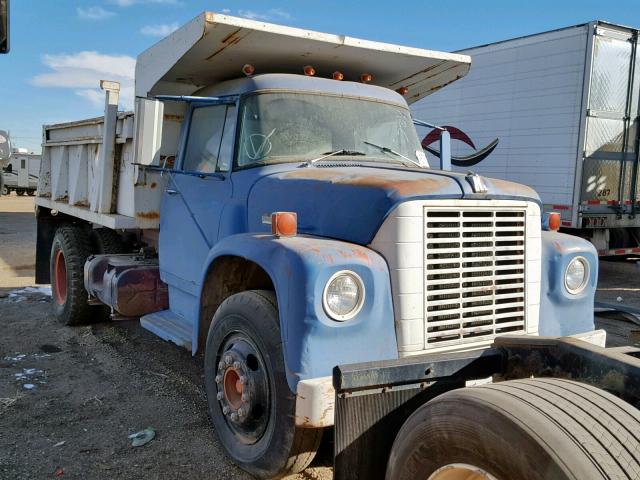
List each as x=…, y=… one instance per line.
x=69, y=252
x=535, y=429
x=20, y=191
x=31, y=193
x=251, y=405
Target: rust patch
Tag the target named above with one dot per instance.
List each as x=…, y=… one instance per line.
x=148, y=215
x=173, y=118
x=229, y=40
x=402, y=186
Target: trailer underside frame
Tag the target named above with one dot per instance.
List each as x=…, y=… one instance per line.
x=374, y=399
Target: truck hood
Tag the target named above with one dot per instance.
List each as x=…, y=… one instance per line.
x=350, y=203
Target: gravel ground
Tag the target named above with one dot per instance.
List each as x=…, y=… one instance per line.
x=70, y=396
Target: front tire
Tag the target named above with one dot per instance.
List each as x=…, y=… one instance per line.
x=251, y=405
x=537, y=429
x=69, y=252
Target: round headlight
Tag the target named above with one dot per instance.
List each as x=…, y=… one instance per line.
x=576, y=276
x=343, y=295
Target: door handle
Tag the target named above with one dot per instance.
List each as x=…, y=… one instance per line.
x=171, y=192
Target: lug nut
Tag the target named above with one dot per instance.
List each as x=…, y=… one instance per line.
x=243, y=380
x=236, y=364
x=241, y=412
x=218, y=378
x=221, y=365
x=225, y=410
x=244, y=397
x=234, y=417
x=228, y=360
x=220, y=396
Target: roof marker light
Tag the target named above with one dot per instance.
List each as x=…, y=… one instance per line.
x=338, y=75
x=309, y=71
x=403, y=90
x=366, y=78
x=248, y=69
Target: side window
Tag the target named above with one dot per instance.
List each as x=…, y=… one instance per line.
x=210, y=140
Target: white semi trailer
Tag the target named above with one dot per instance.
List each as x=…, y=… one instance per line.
x=557, y=111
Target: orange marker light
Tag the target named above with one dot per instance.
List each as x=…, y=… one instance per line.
x=338, y=76
x=309, y=71
x=403, y=90
x=248, y=69
x=284, y=224
x=366, y=78
x=554, y=221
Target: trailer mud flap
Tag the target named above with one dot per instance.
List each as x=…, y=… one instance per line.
x=373, y=400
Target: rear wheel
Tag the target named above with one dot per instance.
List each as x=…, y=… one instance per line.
x=535, y=429
x=20, y=191
x=106, y=241
x=251, y=405
x=31, y=193
x=69, y=252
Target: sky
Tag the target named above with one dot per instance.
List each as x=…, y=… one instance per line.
x=60, y=49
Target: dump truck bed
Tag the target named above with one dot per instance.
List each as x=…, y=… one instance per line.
x=76, y=177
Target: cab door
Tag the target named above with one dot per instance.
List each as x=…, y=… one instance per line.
x=195, y=196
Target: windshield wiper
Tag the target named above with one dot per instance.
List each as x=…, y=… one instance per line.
x=393, y=152
x=342, y=151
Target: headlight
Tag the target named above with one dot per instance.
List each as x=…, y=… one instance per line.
x=576, y=276
x=343, y=295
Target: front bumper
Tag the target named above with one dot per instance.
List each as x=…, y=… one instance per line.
x=315, y=397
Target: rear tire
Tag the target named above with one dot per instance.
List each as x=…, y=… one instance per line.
x=31, y=193
x=69, y=252
x=537, y=429
x=106, y=241
x=20, y=191
x=244, y=341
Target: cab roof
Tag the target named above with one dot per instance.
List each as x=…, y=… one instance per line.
x=213, y=48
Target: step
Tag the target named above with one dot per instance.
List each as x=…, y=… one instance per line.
x=169, y=326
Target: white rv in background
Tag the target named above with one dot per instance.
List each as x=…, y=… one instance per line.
x=21, y=174
x=557, y=111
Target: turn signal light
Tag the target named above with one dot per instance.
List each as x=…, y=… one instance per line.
x=551, y=221
x=309, y=71
x=338, y=76
x=284, y=224
x=248, y=69
x=366, y=78
x=403, y=90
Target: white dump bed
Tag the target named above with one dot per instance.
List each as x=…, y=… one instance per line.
x=96, y=170
x=213, y=47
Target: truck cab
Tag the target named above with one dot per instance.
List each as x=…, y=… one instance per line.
x=284, y=223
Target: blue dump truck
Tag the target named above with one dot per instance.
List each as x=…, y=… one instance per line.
x=268, y=205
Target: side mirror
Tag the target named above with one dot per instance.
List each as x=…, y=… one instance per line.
x=4, y=26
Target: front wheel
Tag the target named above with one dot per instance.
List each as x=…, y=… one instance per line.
x=251, y=405
x=5, y=190
x=533, y=429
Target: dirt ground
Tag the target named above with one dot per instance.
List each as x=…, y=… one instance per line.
x=70, y=396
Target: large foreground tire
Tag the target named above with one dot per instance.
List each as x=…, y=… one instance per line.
x=250, y=403
x=69, y=252
x=537, y=429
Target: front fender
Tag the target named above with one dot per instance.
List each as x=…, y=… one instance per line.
x=299, y=268
x=562, y=313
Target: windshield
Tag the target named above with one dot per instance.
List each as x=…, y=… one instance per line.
x=292, y=127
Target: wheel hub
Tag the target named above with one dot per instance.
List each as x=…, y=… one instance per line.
x=242, y=389
x=60, y=273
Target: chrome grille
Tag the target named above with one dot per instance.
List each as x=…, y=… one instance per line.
x=474, y=274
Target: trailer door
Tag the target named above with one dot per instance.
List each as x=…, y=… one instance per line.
x=23, y=172
x=610, y=150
